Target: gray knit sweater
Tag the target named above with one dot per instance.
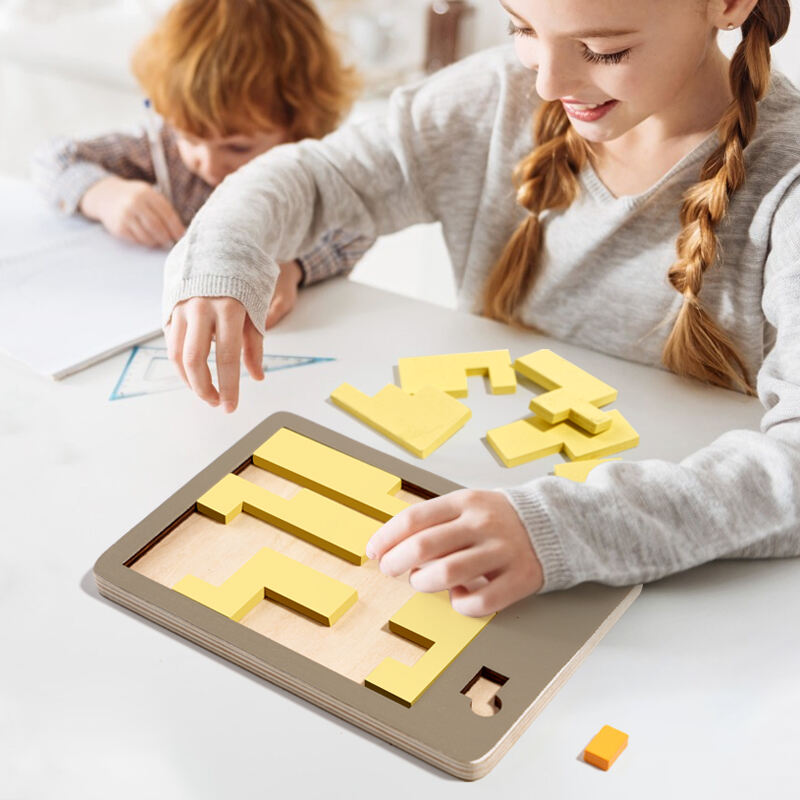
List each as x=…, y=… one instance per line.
x=445, y=151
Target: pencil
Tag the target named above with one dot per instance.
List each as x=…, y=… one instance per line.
x=157, y=152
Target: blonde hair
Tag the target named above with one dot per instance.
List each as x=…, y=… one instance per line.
x=221, y=67
x=547, y=179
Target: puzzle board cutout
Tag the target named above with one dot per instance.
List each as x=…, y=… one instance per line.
x=531, y=649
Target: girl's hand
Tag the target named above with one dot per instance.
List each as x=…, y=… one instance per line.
x=194, y=324
x=133, y=210
x=463, y=539
x=285, y=296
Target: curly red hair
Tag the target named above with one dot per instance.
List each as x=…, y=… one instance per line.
x=222, y=67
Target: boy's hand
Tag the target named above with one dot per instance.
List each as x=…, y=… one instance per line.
x=133, y=210
x=194, y=324
x=463, y=539
x=285, y=296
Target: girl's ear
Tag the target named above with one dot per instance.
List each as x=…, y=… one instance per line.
x=729, y=14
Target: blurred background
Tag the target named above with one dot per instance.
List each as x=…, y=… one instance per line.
x=64, y=71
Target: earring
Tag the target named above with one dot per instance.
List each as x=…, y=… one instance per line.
x=730, y=26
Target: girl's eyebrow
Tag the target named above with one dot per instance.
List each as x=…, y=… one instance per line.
x=592, y=33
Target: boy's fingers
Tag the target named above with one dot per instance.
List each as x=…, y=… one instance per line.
x=152, y=219
x=196, y=347
x=169, y=217
x=176, y=331
x=138, y=233
x=425, y=546
x=228, y=354
x=253, y=350
x=409, y=521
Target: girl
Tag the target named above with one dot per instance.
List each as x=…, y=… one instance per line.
x=646, y=141
x=232, y=79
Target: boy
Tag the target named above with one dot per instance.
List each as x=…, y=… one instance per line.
x=231, y=79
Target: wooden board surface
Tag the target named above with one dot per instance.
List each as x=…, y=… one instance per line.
x=534, y=645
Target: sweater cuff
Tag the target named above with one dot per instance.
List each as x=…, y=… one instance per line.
x=73, y=183
x=256, y=303
x=528, y=504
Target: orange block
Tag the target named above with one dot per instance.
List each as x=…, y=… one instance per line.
x=603, y=750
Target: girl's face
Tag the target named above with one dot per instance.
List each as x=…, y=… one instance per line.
x=615, y=63
x=214, y=158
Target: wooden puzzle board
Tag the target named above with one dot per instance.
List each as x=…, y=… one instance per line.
x=534, y=645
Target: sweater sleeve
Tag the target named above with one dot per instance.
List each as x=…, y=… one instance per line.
x=738, y=497
x=64, y=169
x=368, y=178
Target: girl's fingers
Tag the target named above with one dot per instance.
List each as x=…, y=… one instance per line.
x=228, y=354
x=425, y=546
x=496, y=595
x=277, y=311
x=410, y=520
x=253, y=350
x=463, y=568
x=196, y=347
x=176, y=331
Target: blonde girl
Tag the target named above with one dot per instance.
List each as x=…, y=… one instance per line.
x=653, y=215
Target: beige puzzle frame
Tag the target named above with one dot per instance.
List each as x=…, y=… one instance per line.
x=530, y=648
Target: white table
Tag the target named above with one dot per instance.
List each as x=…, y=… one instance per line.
x=702, y=671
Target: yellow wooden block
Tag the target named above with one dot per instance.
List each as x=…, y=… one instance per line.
x=430, y=621
x=310, y=516
x=565, y=404
x=575, y=394
x=278, y=577
x=578, y=471
x=449, y=372
x=606, y=746
x=420, y=422
x=332, y=473
x=530, y=438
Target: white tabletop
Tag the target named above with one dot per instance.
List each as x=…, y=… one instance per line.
x=96, y=701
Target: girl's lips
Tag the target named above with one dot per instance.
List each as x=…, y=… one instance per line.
x=584, y=113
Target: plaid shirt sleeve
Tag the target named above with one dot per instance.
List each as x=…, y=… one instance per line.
x=336, y=254
x=64, y=169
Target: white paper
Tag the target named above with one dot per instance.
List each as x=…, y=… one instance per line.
x=70, y=293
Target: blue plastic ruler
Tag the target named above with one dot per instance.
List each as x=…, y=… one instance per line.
x=148, y=371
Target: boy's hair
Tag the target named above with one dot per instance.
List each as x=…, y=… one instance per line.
x=222, y=67
x=547, y=179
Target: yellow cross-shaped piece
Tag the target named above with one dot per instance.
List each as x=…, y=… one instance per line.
x=574, y=394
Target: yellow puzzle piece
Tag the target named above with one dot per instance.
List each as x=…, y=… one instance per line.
x=310, y=516
x=420, y=422
x=278, y=577
x=449, y=372
x=430, y=621
x=575, y=394
x=578, y=471
x=332, y=473
x=606, y=746
x=530, y=438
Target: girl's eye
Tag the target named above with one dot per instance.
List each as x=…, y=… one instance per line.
x=513, y=30
x=605, y=58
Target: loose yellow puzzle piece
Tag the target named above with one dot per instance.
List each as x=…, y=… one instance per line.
x=278, y=577
x=530, y=438
x=332, y=473
x=310, y=516
x=575, y=394
x=449, y=372
x=578, y=471
x=430, y=621
x=420, y=422
x=606, y=746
